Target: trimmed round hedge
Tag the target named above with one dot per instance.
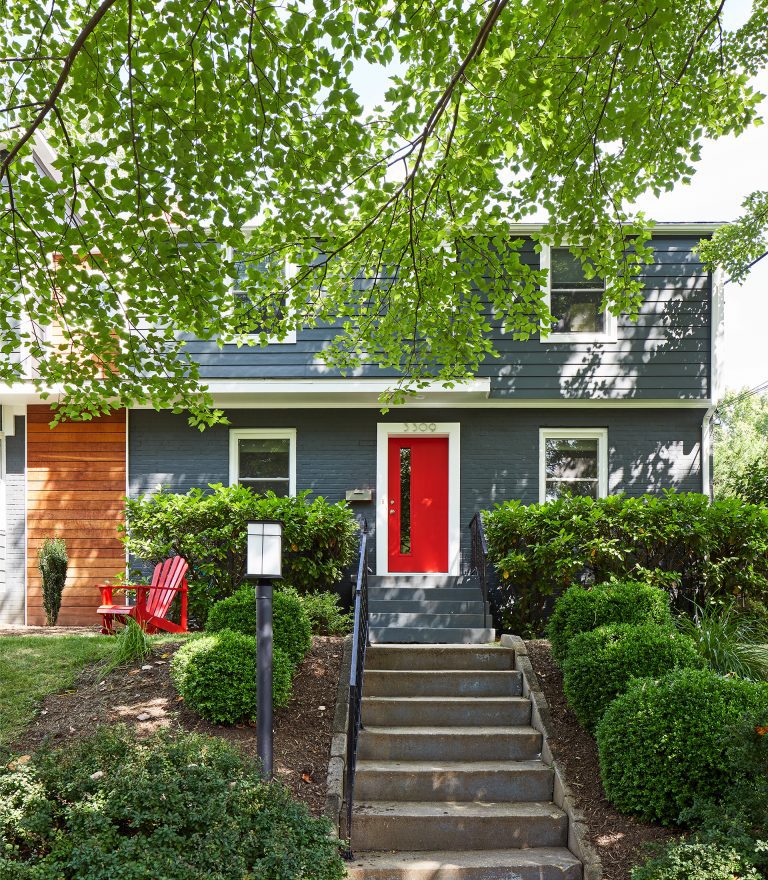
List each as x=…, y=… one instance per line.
x=216, y=675
x=291, y=626
x=580, y=610
x=600, y=663
x=662, y=742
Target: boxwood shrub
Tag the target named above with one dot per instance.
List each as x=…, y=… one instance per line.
x=216, y=675
x=291, y=628
x=600, y=663
x=186, y=807
x=662, y=745
x=580, y=610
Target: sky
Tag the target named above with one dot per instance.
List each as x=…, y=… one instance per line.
x=729, y=170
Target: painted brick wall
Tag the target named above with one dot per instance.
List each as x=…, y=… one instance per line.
x=649, y=450
x=12, y=591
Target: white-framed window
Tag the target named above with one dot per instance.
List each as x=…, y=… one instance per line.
x=263, y=459
x=575, y=301
x=239, y=263
x=573, y=460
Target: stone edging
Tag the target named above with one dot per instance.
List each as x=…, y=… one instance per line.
x=578, y=842
x=334, y=798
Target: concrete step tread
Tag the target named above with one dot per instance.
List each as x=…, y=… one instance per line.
x=474, y=809
x=418, y=619
x=524, y=766
x=475, y=701
x=449, y=673
x=439, y=865
x=437, y=649
x=493, y=730
x=441, y=635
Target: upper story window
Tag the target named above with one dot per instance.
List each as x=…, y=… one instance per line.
x=575, y=301
x=573, y=461
x=263, y=459
x=260, y=314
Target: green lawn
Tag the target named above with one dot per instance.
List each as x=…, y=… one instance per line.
x=31, y=667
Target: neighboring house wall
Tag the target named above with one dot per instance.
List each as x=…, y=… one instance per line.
x=648, y=450
x=12, y=588
x=665, y=354
x=76, y=486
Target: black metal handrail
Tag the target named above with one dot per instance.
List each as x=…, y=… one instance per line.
x=359, y=646
x=478, y=560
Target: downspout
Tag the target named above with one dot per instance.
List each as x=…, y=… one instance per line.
x=706, y=453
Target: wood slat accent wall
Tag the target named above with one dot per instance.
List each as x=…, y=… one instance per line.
x=75, y=487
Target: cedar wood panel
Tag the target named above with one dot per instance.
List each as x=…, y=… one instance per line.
x=76, y=477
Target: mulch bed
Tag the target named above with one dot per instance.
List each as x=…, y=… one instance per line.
x=617, y=838
x=146, y=700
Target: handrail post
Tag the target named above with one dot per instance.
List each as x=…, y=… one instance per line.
x=479, y=559
x=356, y=673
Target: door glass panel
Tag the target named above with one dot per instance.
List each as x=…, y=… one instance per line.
x=405, y=500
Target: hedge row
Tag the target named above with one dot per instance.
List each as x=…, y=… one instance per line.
x=696, y=550
x=208, y=528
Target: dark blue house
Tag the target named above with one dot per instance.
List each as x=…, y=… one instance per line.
x=600, y=406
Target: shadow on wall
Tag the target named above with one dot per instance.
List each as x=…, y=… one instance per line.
x=664, y=353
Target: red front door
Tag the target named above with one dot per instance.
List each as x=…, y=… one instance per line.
x=418, y=504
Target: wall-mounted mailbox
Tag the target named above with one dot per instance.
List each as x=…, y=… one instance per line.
x=359, y=494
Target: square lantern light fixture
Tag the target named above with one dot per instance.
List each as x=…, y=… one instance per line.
x=264, y=560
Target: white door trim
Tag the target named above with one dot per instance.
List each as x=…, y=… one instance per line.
x=385, y=430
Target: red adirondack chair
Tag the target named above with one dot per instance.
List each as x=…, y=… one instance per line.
x=152, y=600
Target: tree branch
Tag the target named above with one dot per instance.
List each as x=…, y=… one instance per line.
x=87, y=30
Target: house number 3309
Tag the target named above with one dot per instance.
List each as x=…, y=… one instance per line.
x=419, y=427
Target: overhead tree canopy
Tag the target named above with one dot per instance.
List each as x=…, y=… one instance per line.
x=176, y=125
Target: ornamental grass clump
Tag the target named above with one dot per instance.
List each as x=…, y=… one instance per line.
x=662, y=743
x=601, y=663
x=52, y=561
x=581, y=610
x=731, y=642
x=291, y=627
x=216, y=676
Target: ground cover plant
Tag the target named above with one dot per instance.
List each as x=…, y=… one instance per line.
x=661, y=743
x=216, y=676
x=33, y=666
x=291, y=626
x=208, y=528
x=184, y=807
x=580, y=610
x=701, y=553
x=601, y=663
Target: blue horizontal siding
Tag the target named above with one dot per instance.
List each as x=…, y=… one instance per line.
x=664, y=354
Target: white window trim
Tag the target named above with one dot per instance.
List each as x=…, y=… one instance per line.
x=611, y=332
x=290, y=272
x=385, y=430
x=238, y=434
x=599, y=434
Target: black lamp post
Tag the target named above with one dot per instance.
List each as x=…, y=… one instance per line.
x=264, y=564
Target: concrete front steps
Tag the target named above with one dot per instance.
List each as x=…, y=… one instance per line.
x=427, y=609
x=450, y=784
